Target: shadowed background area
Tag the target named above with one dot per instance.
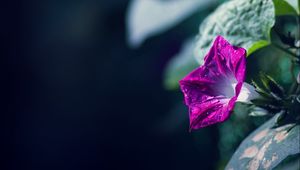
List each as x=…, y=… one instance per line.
x=80, y=98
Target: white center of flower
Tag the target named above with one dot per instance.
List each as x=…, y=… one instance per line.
x=226, y=88
x=247, y=93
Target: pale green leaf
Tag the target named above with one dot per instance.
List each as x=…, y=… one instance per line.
x=266, y=147
x=257, y=111
x=244, y=23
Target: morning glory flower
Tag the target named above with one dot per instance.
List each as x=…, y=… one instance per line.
x=212, y=90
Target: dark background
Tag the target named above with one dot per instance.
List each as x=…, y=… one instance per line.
x=79, y=98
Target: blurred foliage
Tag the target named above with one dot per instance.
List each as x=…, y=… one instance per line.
x=234, y=130
x=180, y=65
x=266, y=147
x=148, y=18
x=267, y=30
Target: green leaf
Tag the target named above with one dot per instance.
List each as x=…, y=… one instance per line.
x=299, y=6
x=243, y=23
x=266, y=147
x=229, y=141
x=271, y=106
x=258, y=45
x=295, y=4
x=260, y=101
x=274, y=88
x=260, y=90
x=257, y=111
x=180, y=65
x=282, y=7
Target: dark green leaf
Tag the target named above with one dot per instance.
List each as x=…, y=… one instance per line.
x=260, y=102
x=279, y=118
x=274, y=88
x=263, y=92
x=287, y=39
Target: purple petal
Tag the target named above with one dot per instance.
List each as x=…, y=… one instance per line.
x=211, y=90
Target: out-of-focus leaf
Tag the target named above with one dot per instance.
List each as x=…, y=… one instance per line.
x=239, y=125
x=273, y=106
x=242, y=22
x=180, y=65
x=146, y=18
x=290, y=163
x=257, y=111
x=282, y=7
x=229, y=141
x=266, y=147
x=260, y=101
